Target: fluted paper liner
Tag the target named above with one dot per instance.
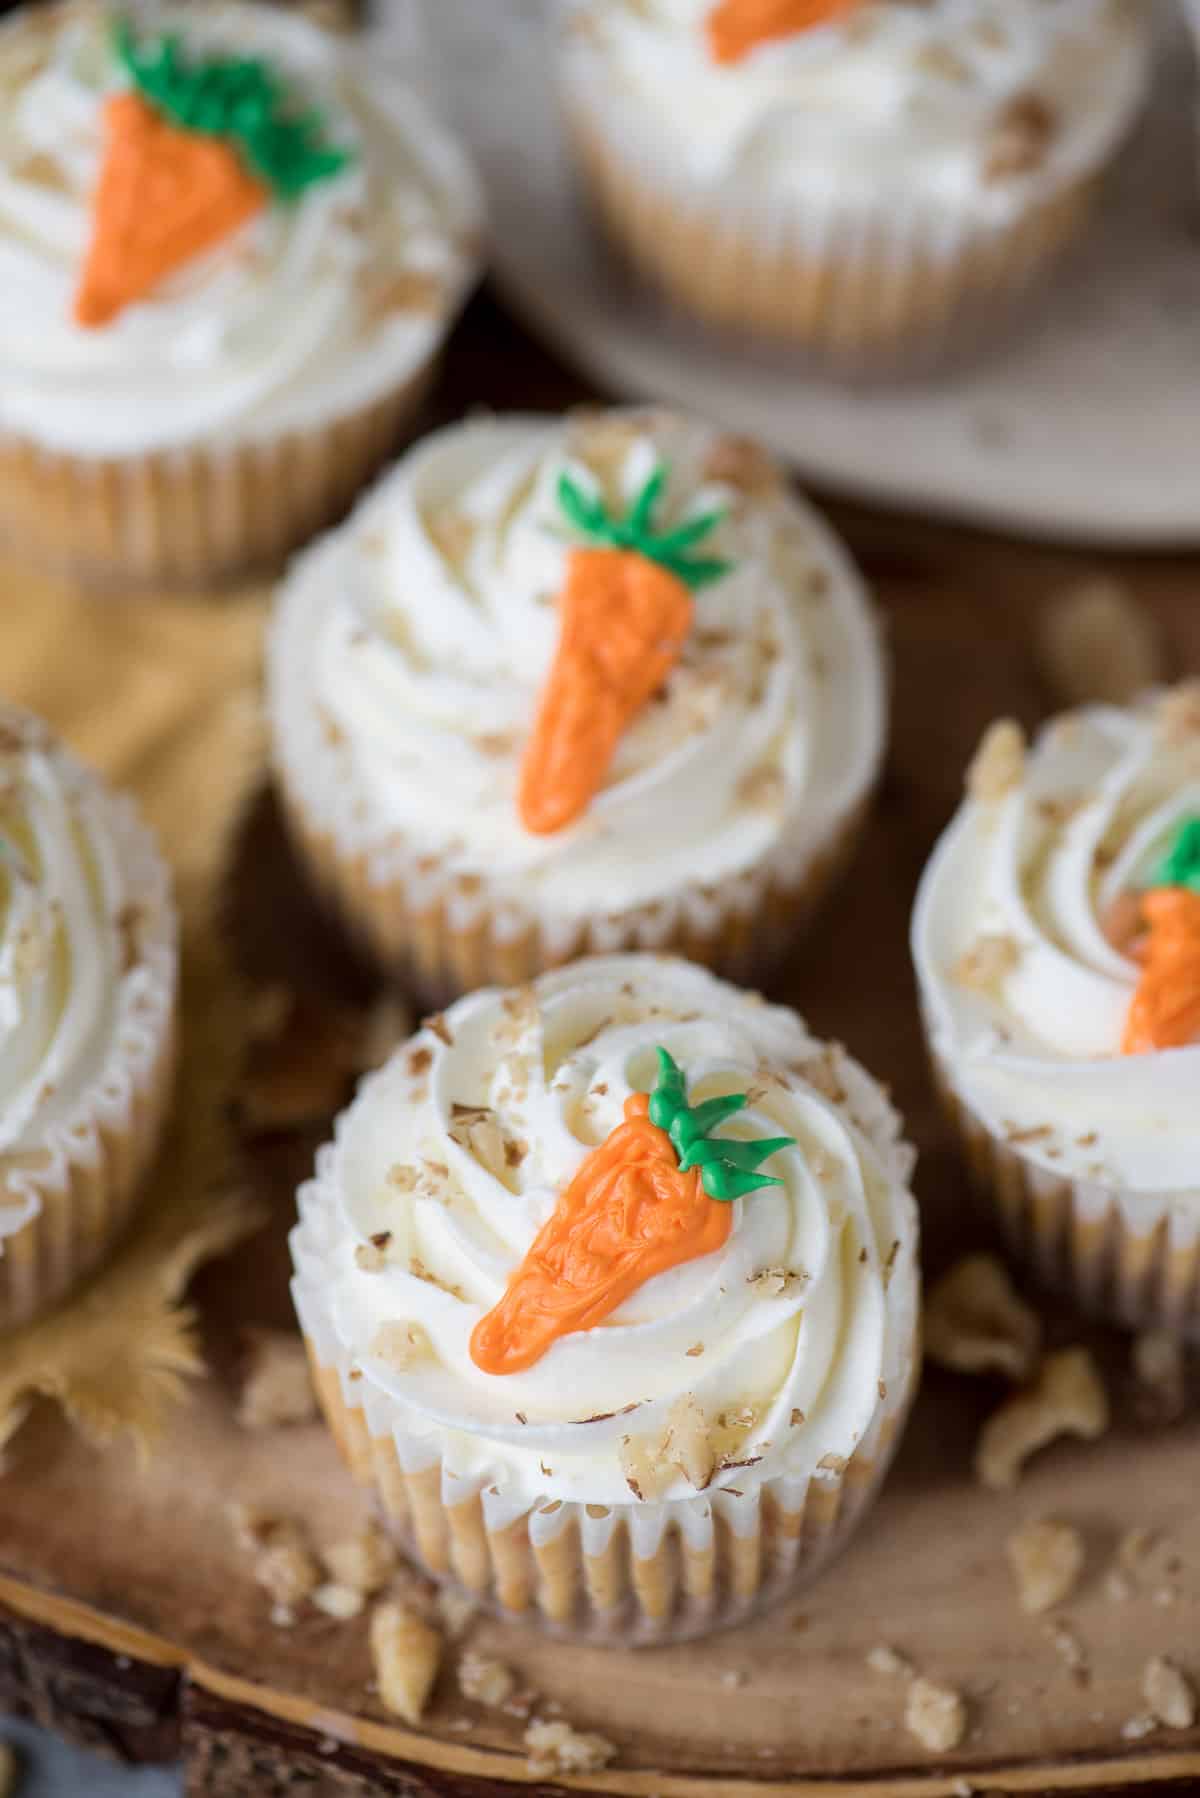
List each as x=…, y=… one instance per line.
x=1131, y=1258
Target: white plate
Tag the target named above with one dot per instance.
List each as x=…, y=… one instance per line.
x=1085, y=426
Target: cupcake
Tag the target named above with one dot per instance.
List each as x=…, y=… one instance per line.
x=1057, y=944
x=88, y=981
x=575, y=685
x=858, y=177
x=230, y=252
x=609, y=1285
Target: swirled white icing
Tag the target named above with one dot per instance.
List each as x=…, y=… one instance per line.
x=87, y=961
x=1034, y=1047
x=312, y=310
x=794, y=1368
x=890, y=100
x=409, y=651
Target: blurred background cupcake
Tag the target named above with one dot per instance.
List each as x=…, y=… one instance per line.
x=621, y=1365
x=570, y=685
x=1057, y=944
x=863, y=178
x=229, y=251
x=88, y=979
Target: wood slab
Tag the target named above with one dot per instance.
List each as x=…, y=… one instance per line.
x=129, y=1619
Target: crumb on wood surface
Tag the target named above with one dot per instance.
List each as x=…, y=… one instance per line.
x=976, y=1321
x=365, y=1562
x=883, y=1658
x=276, y=1389
x=555, y=1747
x=484, y=1679
x=340, y=1602
x=456, y=1610
x=1095, y=645
x=1047, y=1559
x=406, y=1652
x=1067, y=1398
x=1169, y=1693
x=935, y=1715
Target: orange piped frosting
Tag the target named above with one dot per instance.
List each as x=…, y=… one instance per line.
x=736, y=27
x=1165, y=1010
x=628, y=1214
x=165, y=195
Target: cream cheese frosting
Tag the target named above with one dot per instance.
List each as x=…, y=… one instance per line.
x=311, y=311
x=87, y=962
x=454, y=1154
x=1025, y=995
x=918, y=102
x=409, y=651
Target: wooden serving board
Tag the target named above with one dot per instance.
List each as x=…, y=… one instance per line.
x=129, y=1618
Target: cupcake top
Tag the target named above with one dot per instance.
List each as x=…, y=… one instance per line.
x=524, y=1308
x=1057, y=940
x=87, y=960
x=214, y=221
x=980, y=100
x=596, y=661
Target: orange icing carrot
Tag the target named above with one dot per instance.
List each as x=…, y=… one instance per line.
x=652, y=1196
x=1165, y=1010
x=625, y=614
x=165, y=195
x=736, y=27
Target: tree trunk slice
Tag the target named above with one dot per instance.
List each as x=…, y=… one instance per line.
x=129, y=1619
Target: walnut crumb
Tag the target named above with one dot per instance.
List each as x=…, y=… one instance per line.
x=554, y=1747
x=364, y=1562
x=1067, y=1398
x=484, y=1680
x=1047, y=1559
x=883, y=1658
x=987, y=963
x=775, y=1282
x=286, y=1566
x=1178, y=714
x=741, y=463
x=400, y=1345
x=1169, y=1693
x=697, y=1348
x=342, y=1602
x=975, y=1321
x=406, y=1652
x=999, y=763
x=1020, y=138
x=277, y=1389
x=369, y=1258
x=436, y=1024
x=1095, y=645
x=935, y=1715
x=457, y=1611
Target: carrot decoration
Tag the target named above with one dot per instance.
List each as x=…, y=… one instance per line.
x=639, y=1204
x=1165, y=1010
x=736, y=27
x=626, y=611
x=192, y=151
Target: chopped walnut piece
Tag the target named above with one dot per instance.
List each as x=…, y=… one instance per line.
x=1169, y=1693
x=342, y=1602
x=1067, y=1398
x=277, y=1388
x=1019, y=139
x=457, y=1610
x=1095, y=645
x=999, y=763
x=987, y=963
x=1047, y=1559
x=1178, y=714
x=406, y=1652
x=935, y=1715
x=401, y=1345
x=687, y=1444
x=741, y=463
x=286, y=1566
x=975, y=1322
x=364, y=1562
x=774, y=1282
x=1067, y=1645
x=883, y=1658
x=554, y=1747
x=484, y=1680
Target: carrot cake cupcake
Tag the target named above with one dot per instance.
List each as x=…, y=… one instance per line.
x=568, y=685
x=854, y=176
x=610, y=1289
x=229, y=251
x=1057, y=943
x=88, y=982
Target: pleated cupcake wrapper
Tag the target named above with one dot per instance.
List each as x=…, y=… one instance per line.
x=1130, y=1258
x=64, y=1206
x=647, y=1573
x=882, y=287
x=198, y=515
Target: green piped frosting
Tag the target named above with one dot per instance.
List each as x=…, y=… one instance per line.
x=728, y=1165
x=236, y=97
x=1180, y=866
x=635, y=530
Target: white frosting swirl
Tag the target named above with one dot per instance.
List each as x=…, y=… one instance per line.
x=312, y=310
x=795, y=1373
x=410, y=649
x=890, y=99
x=87, y=961
x=1025, y=996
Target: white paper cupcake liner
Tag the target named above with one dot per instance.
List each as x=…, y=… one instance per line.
x=64, y=1205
